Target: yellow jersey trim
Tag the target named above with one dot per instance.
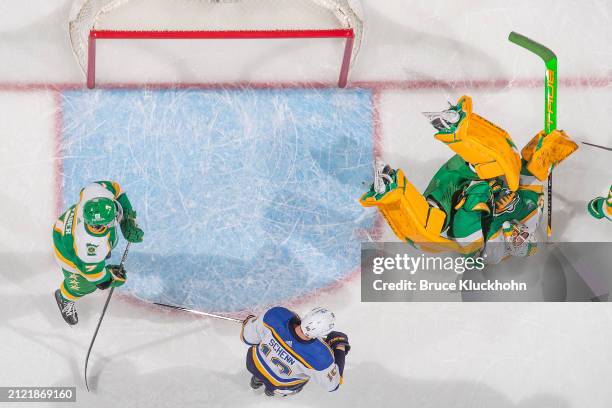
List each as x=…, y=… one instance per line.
x=534, y=187
x=94, y=276
x=74, y=220
x=481, y=207
x=61, y=258
x=117, y=188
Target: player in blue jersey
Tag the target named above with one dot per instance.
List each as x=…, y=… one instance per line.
x=286, y=351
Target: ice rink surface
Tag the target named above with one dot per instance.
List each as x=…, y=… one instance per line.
x=416, y=55
x=247, y=196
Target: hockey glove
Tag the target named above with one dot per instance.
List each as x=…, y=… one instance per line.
x=105, y=285
x=335, y=339
x=246, y=320
x=118, y=275
x=129, y=227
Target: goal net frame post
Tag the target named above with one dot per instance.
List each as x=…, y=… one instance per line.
x=342, y=33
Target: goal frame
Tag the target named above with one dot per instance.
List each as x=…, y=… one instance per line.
x=348, y=34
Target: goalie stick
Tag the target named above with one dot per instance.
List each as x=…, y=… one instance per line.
x=550, y=97
x=110, y=294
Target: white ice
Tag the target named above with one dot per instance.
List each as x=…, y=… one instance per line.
x=530, y=355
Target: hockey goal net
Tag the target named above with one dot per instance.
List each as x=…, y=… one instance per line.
x=93, y=20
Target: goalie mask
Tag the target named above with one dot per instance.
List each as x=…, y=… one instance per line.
x=520, y=241
x=447, y=120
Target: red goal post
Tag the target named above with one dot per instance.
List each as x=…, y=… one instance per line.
x=93, y=20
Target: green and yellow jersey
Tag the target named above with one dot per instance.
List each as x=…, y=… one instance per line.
x=78, y=248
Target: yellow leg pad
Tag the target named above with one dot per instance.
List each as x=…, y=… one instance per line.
x=485, y=146
x=545, y=151
x=411, y=217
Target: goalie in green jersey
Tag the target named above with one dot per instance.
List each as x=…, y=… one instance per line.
x=485, y=201
x=83, y=238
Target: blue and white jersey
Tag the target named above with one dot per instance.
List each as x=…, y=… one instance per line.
x=284, y=359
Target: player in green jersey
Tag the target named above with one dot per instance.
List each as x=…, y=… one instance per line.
x=601, y=207
x=83, y=238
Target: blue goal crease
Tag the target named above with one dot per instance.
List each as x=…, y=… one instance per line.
x=247, y=197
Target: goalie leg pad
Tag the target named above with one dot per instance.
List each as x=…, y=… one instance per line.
x=411, y=217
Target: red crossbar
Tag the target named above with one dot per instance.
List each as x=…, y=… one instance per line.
x=219, y=35
x=345, y=33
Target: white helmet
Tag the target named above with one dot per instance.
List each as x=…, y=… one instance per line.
x=318, y=322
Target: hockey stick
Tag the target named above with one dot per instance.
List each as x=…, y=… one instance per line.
x=597, y=146
x=550, y=97
x=184, y=309
x=110, y=294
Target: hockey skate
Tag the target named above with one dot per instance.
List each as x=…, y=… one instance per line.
x=67, y=309
x=383, y=177
x=256, y=383
x=282, y=393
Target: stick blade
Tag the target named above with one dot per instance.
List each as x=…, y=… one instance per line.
x=542, y=51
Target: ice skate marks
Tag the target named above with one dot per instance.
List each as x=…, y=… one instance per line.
x=247, y=197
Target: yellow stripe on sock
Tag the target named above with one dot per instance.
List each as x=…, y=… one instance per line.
x=66, y=294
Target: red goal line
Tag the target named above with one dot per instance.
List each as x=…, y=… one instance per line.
x=345, y=33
